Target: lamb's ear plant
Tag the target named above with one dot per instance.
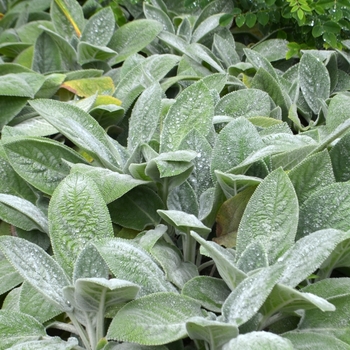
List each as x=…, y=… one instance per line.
x=163, y=186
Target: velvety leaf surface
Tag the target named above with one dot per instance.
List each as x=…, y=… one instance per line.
x=90, y=86
x=37, y=268
x=112, y=185
x=326, y=208
x=77, y=214
x=209, y=291
x=250, y=294
x=9, y=277
x=133, y=37
x=16, y=327
x=53, y=344
x=271, y=216
x=259, y=341
x=22, y=213
x=155, y=319
x=40, y=161
x=79, y=127
x=193, y=109
x=20, y=84
x=244, y=103
x=130, y=262
x=314, y=81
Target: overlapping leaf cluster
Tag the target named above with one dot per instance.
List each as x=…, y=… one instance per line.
x=163, y=185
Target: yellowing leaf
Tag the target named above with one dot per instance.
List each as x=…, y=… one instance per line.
x=64, y=9
x=88, y=87
x=106, y=100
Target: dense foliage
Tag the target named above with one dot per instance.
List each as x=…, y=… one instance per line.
x=166, y=186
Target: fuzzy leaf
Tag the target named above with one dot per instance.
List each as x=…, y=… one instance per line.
x=20, y=84
x=325, y=208
x=90, y=86
x=77, y=214
x=193, y=109
x=271, y=216
x=18, y=327
x=214, y=333
x=9, y=277
x=246, y=299
x=307, y=254
x=133, y=37
x=153, y=319
x=244, y=103
x=80, y=128
x=209, y=291
x=21, y=213
x=314, y=81
x=99, y=28
x=37, y=268
x=40, y=161
x=224, y=261
x=55, y=343
x=259, y=341
x=129, y=262
x=112, y=185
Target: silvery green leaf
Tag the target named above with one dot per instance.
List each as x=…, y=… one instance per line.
x=35, y=304
x=213, y=332
x=18, y=327
x=244, y=103
x=287, y=299
x=272, y=49
x=89, y=53
x=193, y=109
x=211, y=292
x=12, y=183
x=173, y=41
x=155, y=319
x=312, y=174
x=77, y=214
x=21, y=213
x=224, y=261
x=10, y=107
x=133, y=37
x=132, y=346
x=340, y=156
x=21, y=84
x=35, y=126
x=201, y=53
x=158, y=14
x=205, y=27
x=259, y=341
x=80, y=128
x=9, y=277
x=143, y=75
x=150, y=237
x=254, y=257
x=170, y=259
x=99, y=28
x=225, y=51
x=259, y=61
x=247, y=298
x=130, y=262
x=325, y=209
x=270, y=217
x=40, y=161
x=183, y=198
x=144, y=117
x=314, y=81
x=183, y=221
x=112, y=185
x=55, y=343
x=263, y=80
x=314, y=339
x=336, y=113
x=230, y=183
x=307, y=254
x=91, y=293
x=199, y=179
x=37, y=268
x=46, y=56
x=236, y=141
x=89, y=264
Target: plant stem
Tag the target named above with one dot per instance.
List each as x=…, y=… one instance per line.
x=100, y=316
x=90, y=331
x=81, y=331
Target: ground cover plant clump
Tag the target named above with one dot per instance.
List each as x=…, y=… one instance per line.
x=166, y=186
